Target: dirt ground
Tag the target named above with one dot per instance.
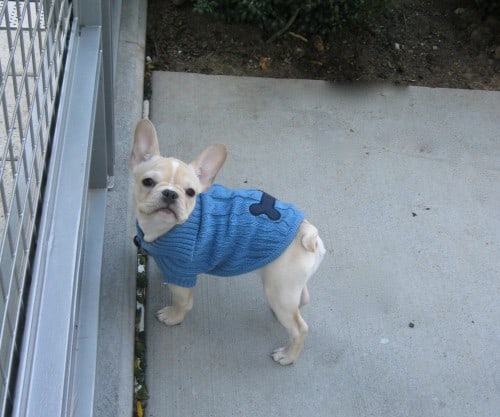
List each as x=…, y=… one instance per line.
x=434, y=43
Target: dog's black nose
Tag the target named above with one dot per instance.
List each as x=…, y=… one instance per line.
x=170, y=196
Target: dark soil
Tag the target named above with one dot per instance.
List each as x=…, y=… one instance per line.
x=434, y=43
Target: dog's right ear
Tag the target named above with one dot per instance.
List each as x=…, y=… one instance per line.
x=145, y=143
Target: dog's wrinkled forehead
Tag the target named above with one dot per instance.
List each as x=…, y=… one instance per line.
x=166, y=170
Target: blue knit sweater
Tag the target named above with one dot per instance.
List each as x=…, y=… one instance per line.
x=229, y=232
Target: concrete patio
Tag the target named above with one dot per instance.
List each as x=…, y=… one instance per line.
x=404, y=185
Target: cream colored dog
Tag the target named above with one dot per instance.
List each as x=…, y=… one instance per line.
x=167, y=191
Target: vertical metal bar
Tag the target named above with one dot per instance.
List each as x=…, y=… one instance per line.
x=10, y=73
x=107, y=40
x=30, y=97
x=42, y=49
x=17, y=113
x=91, y=13
x=98, y=172
x=21, y=16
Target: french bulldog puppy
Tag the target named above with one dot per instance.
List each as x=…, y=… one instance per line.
x=190, y=225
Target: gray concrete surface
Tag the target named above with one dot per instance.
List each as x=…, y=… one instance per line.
x=115, y=373
x=403, y=184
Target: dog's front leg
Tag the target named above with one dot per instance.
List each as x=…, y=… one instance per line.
x=182, y=303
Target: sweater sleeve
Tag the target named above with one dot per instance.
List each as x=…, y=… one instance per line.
x=176, y=273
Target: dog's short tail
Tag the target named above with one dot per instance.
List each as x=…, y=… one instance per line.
x=310, y=238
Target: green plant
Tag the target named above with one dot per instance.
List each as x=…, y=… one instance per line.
x=303, y=16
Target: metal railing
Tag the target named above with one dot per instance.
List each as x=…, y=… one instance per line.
x=56, y=150
x=32, y=46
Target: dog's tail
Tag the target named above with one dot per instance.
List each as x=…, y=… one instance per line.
x=310, y=238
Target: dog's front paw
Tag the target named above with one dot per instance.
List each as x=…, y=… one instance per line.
x=170, y=315
x=285, y=355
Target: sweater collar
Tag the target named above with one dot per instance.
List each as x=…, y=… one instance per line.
x=186, y=233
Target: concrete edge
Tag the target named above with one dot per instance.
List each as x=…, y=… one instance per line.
x=115, y=351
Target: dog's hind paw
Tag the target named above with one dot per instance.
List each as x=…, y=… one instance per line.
x=285, y=355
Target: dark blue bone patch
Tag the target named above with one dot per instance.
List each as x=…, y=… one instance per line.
x=266, y=207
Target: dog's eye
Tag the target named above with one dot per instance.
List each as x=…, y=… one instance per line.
x=148, y=182
x=190, y=192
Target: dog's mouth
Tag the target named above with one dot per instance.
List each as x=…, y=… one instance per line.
x=168, y=211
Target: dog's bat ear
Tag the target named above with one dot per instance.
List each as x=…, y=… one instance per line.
x=208, y=164
x=145, y=143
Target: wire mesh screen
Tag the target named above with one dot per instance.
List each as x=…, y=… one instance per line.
x=33, y=38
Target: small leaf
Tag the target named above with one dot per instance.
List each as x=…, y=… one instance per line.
x=139, y=410
x=264, y=63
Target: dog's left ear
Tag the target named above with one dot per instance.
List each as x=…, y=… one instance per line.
x=208, y=164
x=145, y=143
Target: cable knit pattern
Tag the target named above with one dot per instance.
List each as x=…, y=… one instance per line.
x=221, y=237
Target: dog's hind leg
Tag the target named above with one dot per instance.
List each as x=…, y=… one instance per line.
x=285, y=285
x=285, y=290
x=297, y=331
x=304, y=296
